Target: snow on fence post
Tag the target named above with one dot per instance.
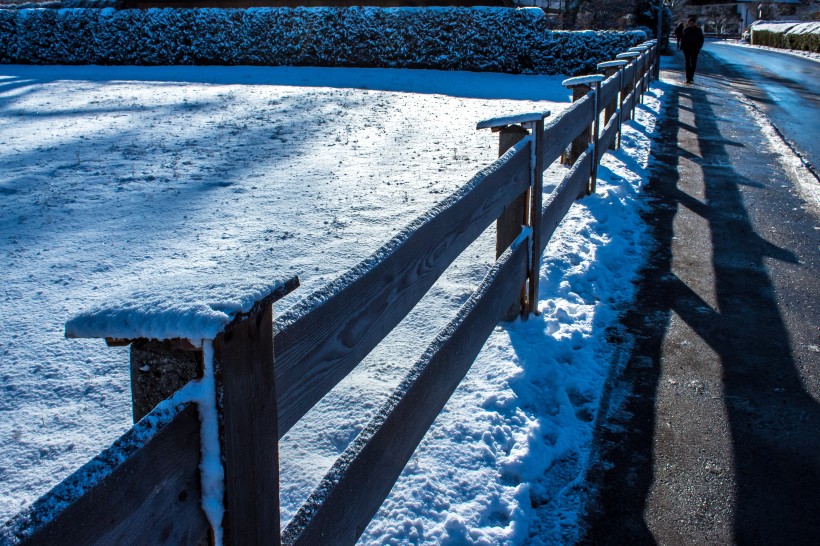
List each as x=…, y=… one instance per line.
x=526, y=209
x=581, y=86
x=613, y=108
x=219, y=355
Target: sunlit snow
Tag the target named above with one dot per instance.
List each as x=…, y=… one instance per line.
x=119, y=180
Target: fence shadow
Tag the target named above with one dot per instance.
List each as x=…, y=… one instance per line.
x=770, y=415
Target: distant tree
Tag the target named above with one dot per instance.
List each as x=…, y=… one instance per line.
x=722, y=19
x=646, y=15
x=605, y=14
x=595, y=14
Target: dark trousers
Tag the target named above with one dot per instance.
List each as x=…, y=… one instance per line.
x=691, y=63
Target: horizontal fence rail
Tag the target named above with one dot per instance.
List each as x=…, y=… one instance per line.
x=319, y=348
x=146, y=488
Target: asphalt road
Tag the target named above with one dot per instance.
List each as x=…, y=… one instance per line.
x=710, y=435
x=784, y=86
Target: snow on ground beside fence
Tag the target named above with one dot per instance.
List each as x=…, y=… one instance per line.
x=114, y=179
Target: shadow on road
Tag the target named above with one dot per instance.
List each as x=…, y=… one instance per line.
x=773, y=423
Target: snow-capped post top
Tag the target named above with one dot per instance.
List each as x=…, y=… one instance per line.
x=613, y=64
x=628, y=55
x=516, y=119
x=183, y=307
x=583, y=80
x=640, y=48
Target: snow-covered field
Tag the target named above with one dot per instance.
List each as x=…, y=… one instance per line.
x=116, y=179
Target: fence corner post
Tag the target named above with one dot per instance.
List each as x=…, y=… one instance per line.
x=249, y=427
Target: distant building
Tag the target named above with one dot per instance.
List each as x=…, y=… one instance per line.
x=735, y=16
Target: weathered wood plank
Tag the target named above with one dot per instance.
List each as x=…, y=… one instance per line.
x=629, y=104
x=537, y=198
x=322, y=339
x=607, y=137
x=351, y=493
x=629, y=75
x=243, y=358
x=150, y=494
x=572, y=187
x=508, y=225
x=565, y=128
x=609, y=91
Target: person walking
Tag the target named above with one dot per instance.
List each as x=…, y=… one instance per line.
x=679, y=33
x=691, y=43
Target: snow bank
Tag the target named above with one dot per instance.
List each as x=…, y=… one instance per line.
x=474, y=39
x=788, y=35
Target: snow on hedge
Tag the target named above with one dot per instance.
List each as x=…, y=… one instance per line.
x=788, y=35
x=475, y=39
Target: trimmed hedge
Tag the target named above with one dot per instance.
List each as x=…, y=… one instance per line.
x=475, y=39
x=802, y=36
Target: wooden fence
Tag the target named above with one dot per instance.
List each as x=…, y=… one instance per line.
x=145, y=489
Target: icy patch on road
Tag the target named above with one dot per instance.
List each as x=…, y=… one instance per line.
x=803, y=173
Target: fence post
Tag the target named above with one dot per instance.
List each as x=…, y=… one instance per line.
x=641, y=63
x=656, y=59
x=249, y=429
x=610, y=68
x=632, y=57
x=536, y=204
x=246, y=406
x=581, y=86
x=526, y=209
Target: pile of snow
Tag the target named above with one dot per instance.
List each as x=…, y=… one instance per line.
x=476, y=39
x=117, y=178
x=789, y=35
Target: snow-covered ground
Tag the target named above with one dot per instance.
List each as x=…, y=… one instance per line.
x=117, y=179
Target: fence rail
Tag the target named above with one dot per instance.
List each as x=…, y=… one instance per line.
x=146, y=487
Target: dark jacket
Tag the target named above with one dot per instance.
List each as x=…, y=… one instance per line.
x=692, y=40
x=679, y=31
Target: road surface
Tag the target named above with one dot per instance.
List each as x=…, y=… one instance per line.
x=710, y=435
x=784, y=86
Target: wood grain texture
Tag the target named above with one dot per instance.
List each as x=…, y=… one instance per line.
x=629, y=104
x=607, y=138
x=354, y=489
x=319, y=347
x=629, y=76
x=561, y=131
x=537, y=192
x=243, y=358
x=153, y=497
x=580, y=143
x=572, y=187
x=609, y=91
